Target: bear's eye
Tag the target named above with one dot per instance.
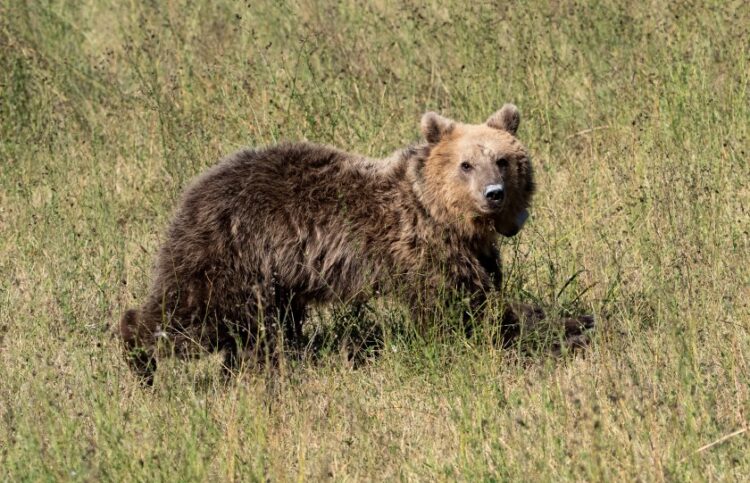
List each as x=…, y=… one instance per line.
x=466, y=166
x=502, y=162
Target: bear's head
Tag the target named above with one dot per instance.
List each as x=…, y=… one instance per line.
x=477, y=177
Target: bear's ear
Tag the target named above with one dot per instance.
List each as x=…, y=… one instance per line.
x=434, y=127
x=507, y=118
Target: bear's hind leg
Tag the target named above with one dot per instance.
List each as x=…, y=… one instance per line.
x=264, y=337
x=138, y=351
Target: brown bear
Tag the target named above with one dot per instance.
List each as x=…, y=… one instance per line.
x=266, y=233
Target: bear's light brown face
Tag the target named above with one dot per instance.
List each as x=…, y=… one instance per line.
x=478, y=175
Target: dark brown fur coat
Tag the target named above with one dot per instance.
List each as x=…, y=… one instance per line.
x=266, y=233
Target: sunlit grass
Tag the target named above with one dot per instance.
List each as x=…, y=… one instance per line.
x=638, y=119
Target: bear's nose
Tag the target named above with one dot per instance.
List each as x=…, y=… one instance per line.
x=494, y=192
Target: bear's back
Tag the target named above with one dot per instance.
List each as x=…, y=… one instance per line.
x=301, y=212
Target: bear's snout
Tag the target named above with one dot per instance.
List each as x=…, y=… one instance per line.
x=494, y=193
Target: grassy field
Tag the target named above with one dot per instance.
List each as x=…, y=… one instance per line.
x=638, y=119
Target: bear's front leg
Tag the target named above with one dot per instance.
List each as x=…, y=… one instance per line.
x=520, y=319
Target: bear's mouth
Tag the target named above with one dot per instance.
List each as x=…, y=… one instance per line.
x=491, y=208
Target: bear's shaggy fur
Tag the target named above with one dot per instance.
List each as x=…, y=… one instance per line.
x=266, y=233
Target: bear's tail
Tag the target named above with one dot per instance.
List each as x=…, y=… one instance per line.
x=139, y=353
x=128, y=327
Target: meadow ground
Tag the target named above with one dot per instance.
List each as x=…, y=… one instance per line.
x=638, y=118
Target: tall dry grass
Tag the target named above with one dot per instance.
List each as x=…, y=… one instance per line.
x=638, y=119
